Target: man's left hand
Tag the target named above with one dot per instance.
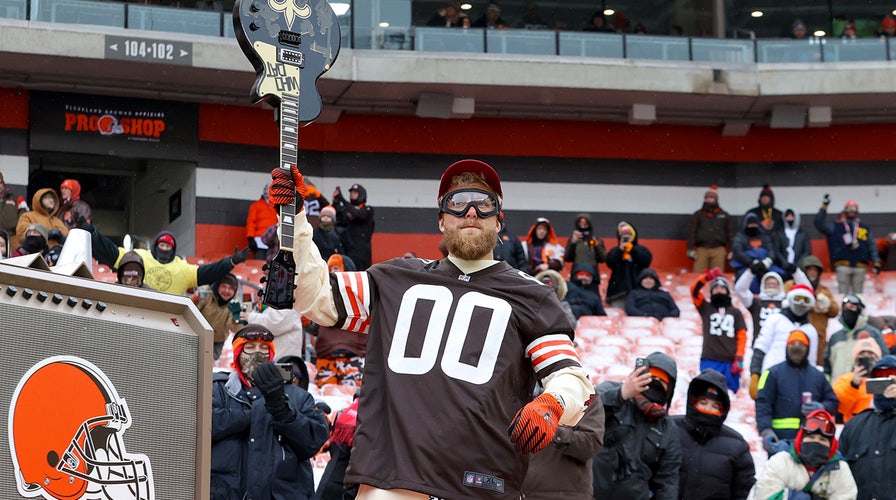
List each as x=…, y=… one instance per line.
x=239, y=255
x=534, y=425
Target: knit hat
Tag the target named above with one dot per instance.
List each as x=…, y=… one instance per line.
x=165, y=238
x=800, y=290
x=767, y=191
x=250, y=333
x=851, y=205
x=863, y=345
x=798, y=336
x=328, y=210
x=336, y=260
x=39, y=228
x=712, y=191
x=720, y=281
x=660, y=374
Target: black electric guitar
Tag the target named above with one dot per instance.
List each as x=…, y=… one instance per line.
x=290, y=43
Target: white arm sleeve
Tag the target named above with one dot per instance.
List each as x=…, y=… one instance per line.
x=314, y=296
x=742, y=288
x=572, y=385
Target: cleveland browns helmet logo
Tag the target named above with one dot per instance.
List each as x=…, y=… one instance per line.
x=66, y=423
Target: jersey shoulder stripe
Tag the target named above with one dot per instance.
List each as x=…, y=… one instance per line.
x=353, y=290
x=549, y=349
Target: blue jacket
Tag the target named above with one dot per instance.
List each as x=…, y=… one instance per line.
x=781, y=388
x=255, y=457
x=841, y=252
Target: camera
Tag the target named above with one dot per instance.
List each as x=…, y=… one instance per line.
x=865, y=362
x=642, y=362
x=878, y=385
x=285, y=371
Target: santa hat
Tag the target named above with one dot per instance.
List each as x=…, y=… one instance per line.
x=800, y=290
x=712, y=191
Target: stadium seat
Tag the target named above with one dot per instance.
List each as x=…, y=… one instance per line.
x=614, y=312
x=686, y=323
x=607, y=322
x=640, y=322
x=678, y=334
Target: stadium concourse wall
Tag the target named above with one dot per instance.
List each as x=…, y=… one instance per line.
x=653, y=176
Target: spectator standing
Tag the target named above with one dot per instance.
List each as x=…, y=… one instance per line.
x=811, y=468
x=583, y=294
x=491, y=19
x=526, y=324
x=262, y=215
x=213, y=302
x=131, y=272
x=542, y=248
x=868, y=440
x=724, y=329
x=510, y=249
x=756, y=249
x=626, y=261
x=710, y=233
x=315, y=201
x=10, y=208
x=770, y=218
x=554, y=280
x=356, y=216
x=584, y=247
x=850, y=387
x=647, y=299
x=825, y=307
x=796, y=241
x=449, y=16
x=46, y=205
x=72, y=205
x=641, y=457
x=780, y=406
x=709, y=448
x=838, y=358
x=327, y=239
x=263, y=430
x=165, y=270
x=563, y=468
x=763, y=304
x=769, y=348
x=851, y=245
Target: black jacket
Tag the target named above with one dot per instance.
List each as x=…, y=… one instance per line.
x=327, y=242
x=625, y=271
x=510, y=249
x=357, y=219
x=584, y=300
x=639, y=457
x=650, y=302
x=716, y=463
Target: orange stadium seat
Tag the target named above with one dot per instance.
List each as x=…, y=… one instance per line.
x=639, y=322
x=608, y=322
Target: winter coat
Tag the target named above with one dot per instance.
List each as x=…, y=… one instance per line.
x=650, y=302
x=547, y=251
x=710, y=228
x=783, y=472
x=9, y=212
x=588, y=250
x=254, y=456
x=795, y=242
x=868, y=444
x=639, y=456
x=563, y=469
x=327, y=242
x=853, y=400
x=584, y=300
x=626, y=266
x=218, y=315
x=838, y=357
x=819, y=315
x=357, y=218
x=715, y=460
x=510, y=249
x=286, y=325
x=745, y=252
x=842, y=253
x=262, y=215
x=39, y=215
x=770, y=347
x=779, y=402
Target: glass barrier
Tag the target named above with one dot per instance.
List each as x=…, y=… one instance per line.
x=449, y=39
x=664, y=48
x=13, y=9
x=78, y=12
x=228, y=26
x=522, y=41
x=394, y=38
x=718, y=50
x=867, y=49
x=197, y=22
x=591, y=44
x=782, y=51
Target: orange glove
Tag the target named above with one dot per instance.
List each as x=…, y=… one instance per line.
x=754, y=385
x=534, y=425
x=284, y=188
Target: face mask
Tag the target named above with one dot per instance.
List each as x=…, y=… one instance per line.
x=34, y=244
x=327, y=225
x=813, y=454
x=163, y=257
x=720, y=300
x=648, y=408
x=884, y=403
x=850, y=318
x=656, y=392
x=752, y=232
x=709, y=206
x=249, y=362
x=797, y=353
x=709, y=424
x=799, y=309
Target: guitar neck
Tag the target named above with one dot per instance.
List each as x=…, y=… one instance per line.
x=289, y=156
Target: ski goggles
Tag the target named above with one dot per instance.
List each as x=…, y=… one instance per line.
x=256, y=336
x=458, y=203
x=819, y=425
x=804, y=300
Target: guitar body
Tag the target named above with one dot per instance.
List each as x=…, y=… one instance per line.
x=290, y=43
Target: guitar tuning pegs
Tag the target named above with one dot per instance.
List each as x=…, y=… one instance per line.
x=255, y=7
x=263, y=279
x=254, y=26
x=265, y=266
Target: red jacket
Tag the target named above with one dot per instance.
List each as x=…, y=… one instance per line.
x=261, y=216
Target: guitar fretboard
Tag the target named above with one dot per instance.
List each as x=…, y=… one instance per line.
x=289, y=145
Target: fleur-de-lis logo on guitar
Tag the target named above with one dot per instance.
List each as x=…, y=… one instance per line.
x=290, y=10
x=289, y=46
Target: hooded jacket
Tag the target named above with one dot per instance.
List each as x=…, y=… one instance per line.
x=261, y=216
x=745, y=251
x=868, y=442
x=74, y=207
x=843, y=230
x=640, y=459
x=547, y=251
x=584, y=300
x=38, y=214
x=770, y=218
x=626, y=263
x=132, y=257
x=796, y=244
x=588, y=250
x=650, y=301
x=510, y=249
x=215, y=309
x=770, y=347
x=716, y=463
x=838, y=355
x=357, y=219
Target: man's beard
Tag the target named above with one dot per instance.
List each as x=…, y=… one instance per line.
x=473, y=247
